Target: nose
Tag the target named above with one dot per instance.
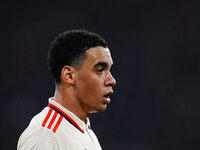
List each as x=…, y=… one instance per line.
x=110, y=80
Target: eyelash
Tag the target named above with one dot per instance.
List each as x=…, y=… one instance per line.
x=99, y=71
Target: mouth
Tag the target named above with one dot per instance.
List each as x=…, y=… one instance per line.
x=107, y=97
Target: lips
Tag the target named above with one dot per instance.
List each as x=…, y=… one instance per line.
x=107, y=96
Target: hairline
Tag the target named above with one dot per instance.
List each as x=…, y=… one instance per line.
x=78, y=61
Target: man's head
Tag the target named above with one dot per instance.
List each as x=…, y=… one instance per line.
x=69, y=48
x=81, y=61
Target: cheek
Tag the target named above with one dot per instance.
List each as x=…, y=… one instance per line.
x=90, y=84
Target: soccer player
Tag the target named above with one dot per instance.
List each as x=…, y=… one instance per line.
x=80, y=63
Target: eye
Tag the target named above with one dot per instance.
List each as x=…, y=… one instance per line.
x=100, y=71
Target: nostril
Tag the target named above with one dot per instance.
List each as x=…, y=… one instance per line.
x=111, y=85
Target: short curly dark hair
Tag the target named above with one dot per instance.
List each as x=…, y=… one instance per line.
x=69, y=48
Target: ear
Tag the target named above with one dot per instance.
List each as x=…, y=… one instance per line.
x=68, y=74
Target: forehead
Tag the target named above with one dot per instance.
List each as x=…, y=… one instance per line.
x=99, y=54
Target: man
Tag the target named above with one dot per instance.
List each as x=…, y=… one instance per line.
x=80, y=63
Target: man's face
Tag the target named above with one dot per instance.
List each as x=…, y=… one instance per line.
x=94, y=80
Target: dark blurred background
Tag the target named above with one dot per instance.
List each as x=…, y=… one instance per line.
x=156, y=51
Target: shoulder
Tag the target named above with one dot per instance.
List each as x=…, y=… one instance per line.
x=47, y=120
x=41, y=132
x=37, y=141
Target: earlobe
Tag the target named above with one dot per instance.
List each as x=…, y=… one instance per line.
x=67, y=74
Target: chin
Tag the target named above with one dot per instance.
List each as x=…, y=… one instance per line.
x=100, y=109
x=103, y=108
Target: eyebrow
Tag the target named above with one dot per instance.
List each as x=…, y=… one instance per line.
x=103, y=64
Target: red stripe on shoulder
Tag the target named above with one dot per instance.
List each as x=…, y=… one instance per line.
x=47, y=117
x=65, y=116
x=57, y=124
x=52, y=120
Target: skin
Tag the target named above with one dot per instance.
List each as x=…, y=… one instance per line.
x=83, y=91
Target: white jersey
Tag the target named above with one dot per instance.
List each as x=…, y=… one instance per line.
x=56, y=128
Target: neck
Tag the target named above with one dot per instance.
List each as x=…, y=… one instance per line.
x=65, y=97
